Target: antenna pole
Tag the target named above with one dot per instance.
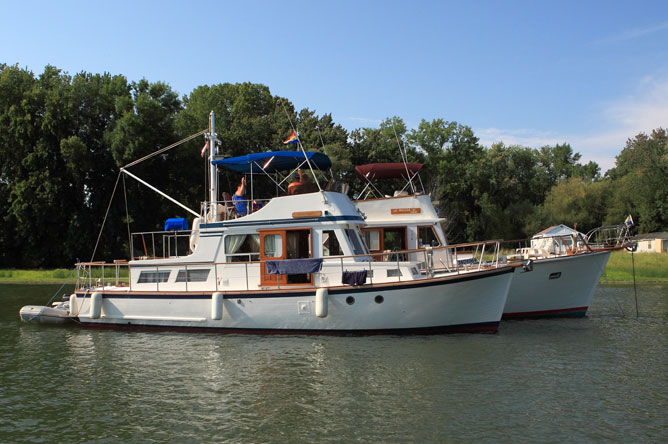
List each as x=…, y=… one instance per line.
x=213, y=176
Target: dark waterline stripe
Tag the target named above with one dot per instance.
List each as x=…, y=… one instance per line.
x=570, y=312
x=482, y=327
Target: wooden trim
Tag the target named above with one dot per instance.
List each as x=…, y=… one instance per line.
x=298, y=214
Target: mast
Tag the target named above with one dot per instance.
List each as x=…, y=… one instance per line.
x=213, y=176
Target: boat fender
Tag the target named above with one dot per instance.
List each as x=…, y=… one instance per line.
x=74, y=305
x=217, y=306
x=528, y=266
x=194, y=234
x=95, y=305
x=321, y=296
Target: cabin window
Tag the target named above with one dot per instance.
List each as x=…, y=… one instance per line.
x=394, y=272
x=146, y=277
x=192, y=275
x=427, y=237
x=330, y=244
x=273, y=245
x=242, y=247
x=358, y=247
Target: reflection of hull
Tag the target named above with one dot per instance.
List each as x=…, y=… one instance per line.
x=459, y=303
x=561, y=286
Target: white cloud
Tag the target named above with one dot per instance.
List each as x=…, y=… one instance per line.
x=618, y=120
x=633, y=33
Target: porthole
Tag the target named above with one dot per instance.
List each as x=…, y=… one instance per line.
x=350, y=300
x=379, y=299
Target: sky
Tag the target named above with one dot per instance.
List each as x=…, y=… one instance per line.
x=589, y=73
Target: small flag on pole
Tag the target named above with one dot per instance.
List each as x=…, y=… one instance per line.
x=292, y=139
x=204, y=148
x=629, y=221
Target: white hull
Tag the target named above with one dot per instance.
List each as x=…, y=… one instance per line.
x=465, y=302
x=560, y=286
x=39, y=314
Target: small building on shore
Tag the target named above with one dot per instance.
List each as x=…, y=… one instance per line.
x=652, y=242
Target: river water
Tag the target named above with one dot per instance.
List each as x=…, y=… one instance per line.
x=603, y=378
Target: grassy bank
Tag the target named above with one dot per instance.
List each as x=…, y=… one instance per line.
x=55, y=276
x=649, y=267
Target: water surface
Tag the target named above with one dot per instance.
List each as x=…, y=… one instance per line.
x=596, y=379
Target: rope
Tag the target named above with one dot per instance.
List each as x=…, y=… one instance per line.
x=61, y=287
x=105, y=216
x=299, y=142
x=162, y=150
x=127, y=219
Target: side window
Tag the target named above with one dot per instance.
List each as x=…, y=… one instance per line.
x=192, y=275
x=242, y=247
x=427, y=236
x=146, y=277
x=358, y=247
x=330, y=244
x=273, y=245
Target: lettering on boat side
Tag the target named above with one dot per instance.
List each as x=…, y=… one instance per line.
x=405, y=211
x=555, y=275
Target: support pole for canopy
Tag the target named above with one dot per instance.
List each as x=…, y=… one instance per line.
x=159, y=192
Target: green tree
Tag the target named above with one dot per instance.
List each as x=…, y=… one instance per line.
x=455, y=159
x=382, y=145
x=640, y=185
x=574, y=202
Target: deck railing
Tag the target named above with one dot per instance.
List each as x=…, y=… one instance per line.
x=425, y=263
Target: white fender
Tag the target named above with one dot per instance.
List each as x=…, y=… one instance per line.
x=95, y=305
x=217, y=306
x=194, y=233
x=321, y=295
x=74, y=305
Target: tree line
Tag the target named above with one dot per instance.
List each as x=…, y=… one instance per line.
x=64, y=137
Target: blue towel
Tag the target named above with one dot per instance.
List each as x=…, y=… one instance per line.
x=353, y=277
x=294, y=266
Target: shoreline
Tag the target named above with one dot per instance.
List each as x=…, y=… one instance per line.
x=650, y=268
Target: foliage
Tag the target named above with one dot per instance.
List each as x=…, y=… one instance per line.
x=640, y=181
x=64, y=138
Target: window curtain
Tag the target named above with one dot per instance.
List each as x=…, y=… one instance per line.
x=234, y=242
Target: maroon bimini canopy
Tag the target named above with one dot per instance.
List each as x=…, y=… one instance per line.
x=396, y=170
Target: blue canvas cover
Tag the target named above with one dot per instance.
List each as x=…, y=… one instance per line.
x=273, y=161
x=176, y=223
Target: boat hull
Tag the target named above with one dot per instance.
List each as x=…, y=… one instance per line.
x=462, y=303
x=38, y=314
x=561, y=286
